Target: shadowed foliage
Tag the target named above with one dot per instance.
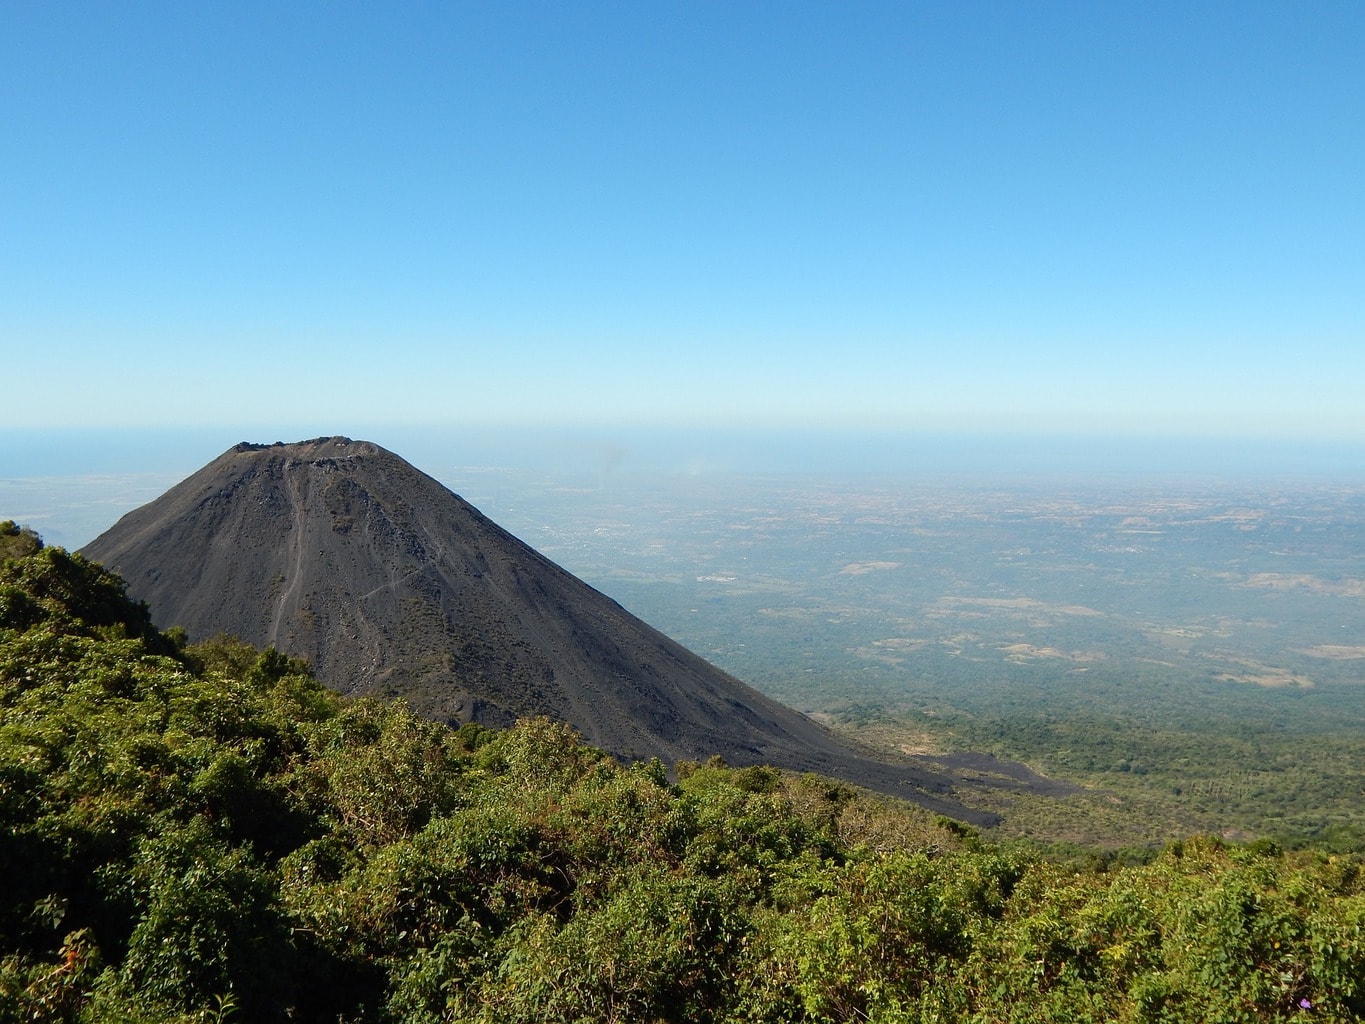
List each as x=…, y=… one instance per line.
x=209, y=834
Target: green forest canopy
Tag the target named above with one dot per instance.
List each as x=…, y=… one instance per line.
x=205, y=833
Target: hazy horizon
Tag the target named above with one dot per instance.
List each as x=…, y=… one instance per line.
x=72, y=484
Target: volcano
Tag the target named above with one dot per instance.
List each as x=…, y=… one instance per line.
x=388, y=584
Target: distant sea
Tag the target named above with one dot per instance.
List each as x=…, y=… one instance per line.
x=72, y=484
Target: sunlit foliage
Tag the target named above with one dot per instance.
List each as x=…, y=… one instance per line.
x=204, y=833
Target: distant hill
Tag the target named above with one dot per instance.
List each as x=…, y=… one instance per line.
x=340, y=552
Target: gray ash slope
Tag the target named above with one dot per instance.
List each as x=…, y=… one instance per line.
x=389, y=584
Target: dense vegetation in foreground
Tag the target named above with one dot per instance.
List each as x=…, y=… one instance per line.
x=205, y=833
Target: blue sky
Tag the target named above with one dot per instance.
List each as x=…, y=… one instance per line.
x=1086, y=218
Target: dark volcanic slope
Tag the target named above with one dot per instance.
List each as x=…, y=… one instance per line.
x=342, y=553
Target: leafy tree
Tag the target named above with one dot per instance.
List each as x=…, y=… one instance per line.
x=18, y=541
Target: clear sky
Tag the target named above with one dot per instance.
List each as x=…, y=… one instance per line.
x=1092, y=217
